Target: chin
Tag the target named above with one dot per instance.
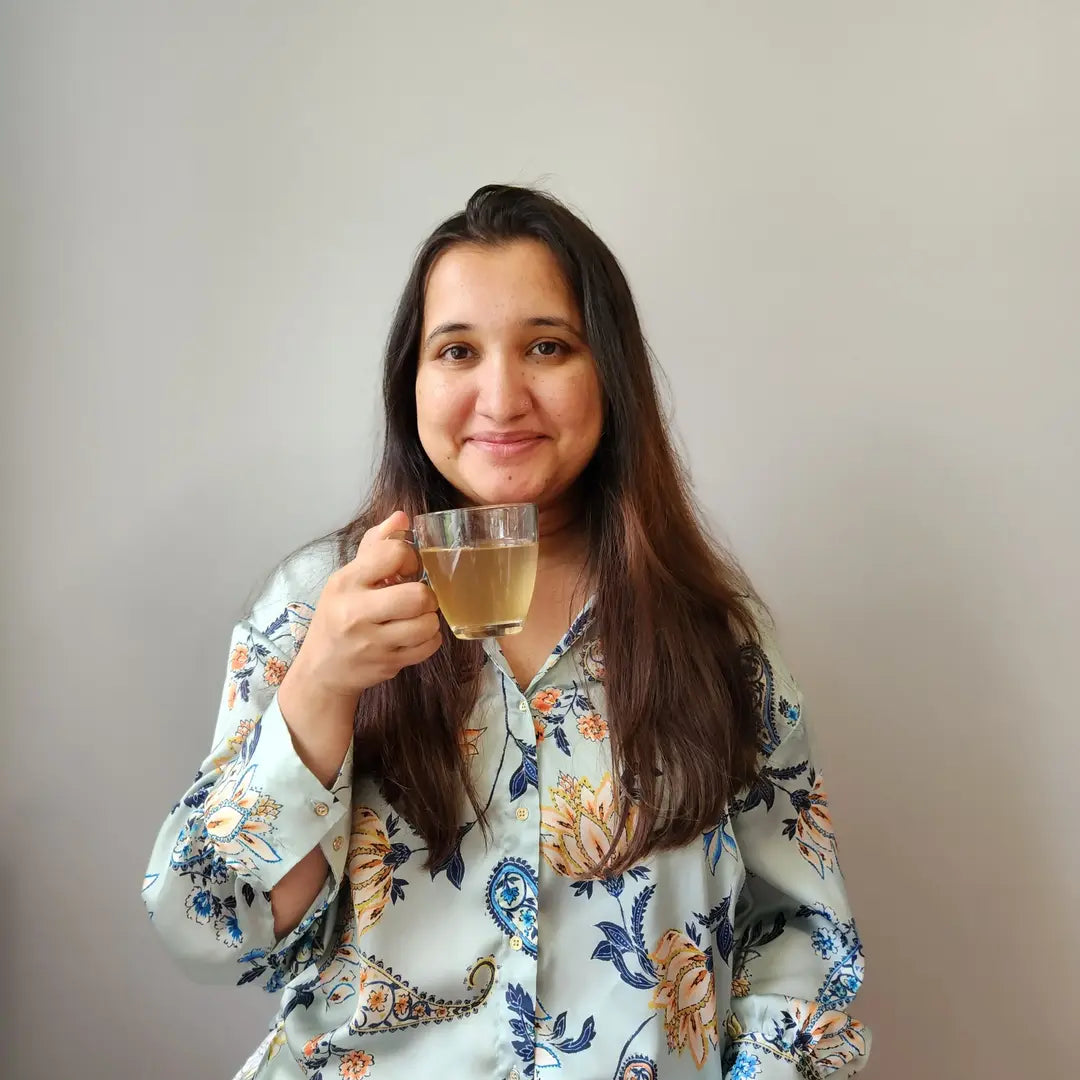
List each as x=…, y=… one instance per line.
x=493, y=491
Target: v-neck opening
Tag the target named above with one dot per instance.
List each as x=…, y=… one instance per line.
x=576, y=629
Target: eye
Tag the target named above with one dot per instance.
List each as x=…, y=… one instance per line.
x=550, y=348
x=455, y=353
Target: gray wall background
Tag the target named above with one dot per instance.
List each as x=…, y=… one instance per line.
x=854, y=230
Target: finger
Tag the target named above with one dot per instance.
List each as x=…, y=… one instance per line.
x=395, y=603
x=409, y=633
x=383, y=558
x=419, y=653
x=394, y=523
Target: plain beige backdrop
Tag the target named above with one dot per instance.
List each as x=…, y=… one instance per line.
x=854, y=232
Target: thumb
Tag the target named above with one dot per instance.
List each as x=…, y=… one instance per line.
x=395, y=522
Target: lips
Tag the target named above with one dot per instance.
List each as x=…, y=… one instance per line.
x=506, y=443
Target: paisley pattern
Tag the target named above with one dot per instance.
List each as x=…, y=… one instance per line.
x=512, y=900
x=388, y=1002
x=638, y=1068
x=676, y=968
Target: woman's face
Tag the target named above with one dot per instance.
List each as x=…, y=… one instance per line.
x=508, y=401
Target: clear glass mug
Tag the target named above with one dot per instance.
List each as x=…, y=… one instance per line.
x=481, y=563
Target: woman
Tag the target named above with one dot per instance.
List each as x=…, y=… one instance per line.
x=598, y=847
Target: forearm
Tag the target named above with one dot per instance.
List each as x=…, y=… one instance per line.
x=321, y=724
x=294, y=894
x=321, y=727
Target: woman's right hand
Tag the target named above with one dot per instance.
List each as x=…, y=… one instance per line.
x=363, y=632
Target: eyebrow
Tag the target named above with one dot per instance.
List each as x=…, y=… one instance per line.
x=538, y=320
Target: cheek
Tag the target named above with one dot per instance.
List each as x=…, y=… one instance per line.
x=577, y=408
x=440, y=408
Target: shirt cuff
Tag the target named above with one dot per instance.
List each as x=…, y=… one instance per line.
x=269, y=810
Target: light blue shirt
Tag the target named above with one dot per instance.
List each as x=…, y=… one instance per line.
x=734, y=957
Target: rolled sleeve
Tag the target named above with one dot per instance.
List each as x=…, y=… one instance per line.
x=252, y=813
x=268, y=810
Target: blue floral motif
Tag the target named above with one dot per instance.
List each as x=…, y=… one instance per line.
x=624, y=945
x=539, y=1038
x=511, y=901
x=824, y=944
x=525, y=775
x=717, y=841
x=844, y=978
x=746, y=1067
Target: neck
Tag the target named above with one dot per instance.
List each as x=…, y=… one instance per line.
x=562, y=534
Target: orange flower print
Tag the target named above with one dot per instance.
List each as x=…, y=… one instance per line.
x=274, y=671
x=687, y=995
x=355, y=1065
x=578, y=830
x=230, y=697
x=546, y=700
x=812, y=829
x=239, y=820
x=539, y=727
x=311, y=1047
x=376, y=1000
x=235, y=740
x=239, y=658
x=740, y=986
x=299, y=615
x=593, y=726
x=441, y=1012
x=402, y=1004
x=369, y=868
x=832, y=1038
x=470, y=741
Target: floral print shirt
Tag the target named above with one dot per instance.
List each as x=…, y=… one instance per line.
x=734, y=957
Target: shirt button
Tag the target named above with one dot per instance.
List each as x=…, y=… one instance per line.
x=523, y=706
x=322, y=809
x=514, y=1075
x=338, y=841
x=522, y=813
x=516, y=943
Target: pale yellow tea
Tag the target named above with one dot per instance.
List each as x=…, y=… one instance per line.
x=483, y=590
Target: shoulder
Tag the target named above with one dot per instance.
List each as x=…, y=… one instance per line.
x=776, y=694
x=295, y=585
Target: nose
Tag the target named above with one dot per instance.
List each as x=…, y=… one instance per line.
x=503, y=391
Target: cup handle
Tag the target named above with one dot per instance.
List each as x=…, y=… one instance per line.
x=408, y=536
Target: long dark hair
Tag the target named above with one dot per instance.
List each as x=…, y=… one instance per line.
x=670, y=609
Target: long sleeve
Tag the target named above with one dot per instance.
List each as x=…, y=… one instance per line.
x=253, y=811
x=798, y=960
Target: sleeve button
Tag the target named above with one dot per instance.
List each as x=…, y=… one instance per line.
x=322, y=809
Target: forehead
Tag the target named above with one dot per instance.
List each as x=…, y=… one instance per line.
x=473, y=283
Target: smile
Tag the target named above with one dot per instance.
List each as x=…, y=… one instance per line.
x=506, y=445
